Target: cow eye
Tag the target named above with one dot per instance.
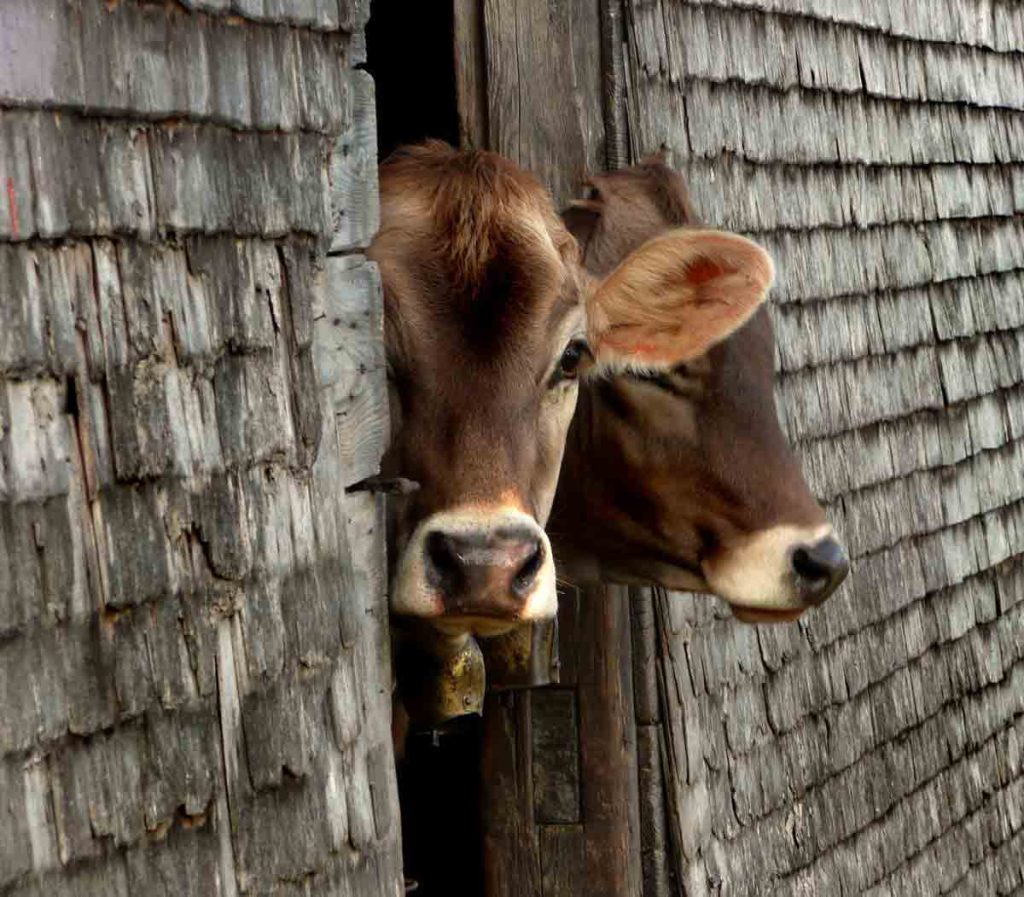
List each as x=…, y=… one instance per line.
x=569, y=364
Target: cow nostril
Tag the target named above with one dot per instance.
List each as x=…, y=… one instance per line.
x=490, y=572
x=526, y=575
x=808, y=566
x=821, y=568
x=444, y=565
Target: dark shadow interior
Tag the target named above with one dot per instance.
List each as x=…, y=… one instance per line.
x=410, y=53
x=439, y=791
x=411, y=57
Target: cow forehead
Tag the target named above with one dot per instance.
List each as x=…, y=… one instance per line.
x=466, y=238
x=498, y=290
x=468, y=200
x=522, y=297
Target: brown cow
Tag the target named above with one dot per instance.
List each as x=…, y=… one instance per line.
x=683, y=477
x=488, y=318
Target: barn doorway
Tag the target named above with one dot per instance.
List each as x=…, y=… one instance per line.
x=411, y=56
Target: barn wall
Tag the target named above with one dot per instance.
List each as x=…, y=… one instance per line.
x=193, y=654
x=876, y=149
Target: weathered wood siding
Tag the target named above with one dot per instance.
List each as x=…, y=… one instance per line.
x=877, y=149
x=193, y=651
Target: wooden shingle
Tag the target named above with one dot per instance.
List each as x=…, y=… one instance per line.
x=185, y=588
x=873, y=149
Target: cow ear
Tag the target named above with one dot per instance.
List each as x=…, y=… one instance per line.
x=582, y=215
x=675, y=297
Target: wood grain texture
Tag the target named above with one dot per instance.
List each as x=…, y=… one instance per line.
x=512, y=863
x=543, y=105
x=608, y=744
x=556, y=756
x=471, y=73
x=800, y=760
x=560, y=798
x=995, y=24
x=194, y=671
x=263, y=76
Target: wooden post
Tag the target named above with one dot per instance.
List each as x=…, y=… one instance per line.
x=560, y=799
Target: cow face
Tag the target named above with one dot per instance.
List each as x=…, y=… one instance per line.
x=682, y=476
x=489, y=320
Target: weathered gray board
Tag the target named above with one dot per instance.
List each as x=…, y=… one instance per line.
x=193, y=647
x=877, y=148
x=876, y=747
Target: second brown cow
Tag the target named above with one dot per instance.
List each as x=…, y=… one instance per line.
x=682, y=476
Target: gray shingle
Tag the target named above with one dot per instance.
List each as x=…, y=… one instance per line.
x=176, y=546
x=873, y=149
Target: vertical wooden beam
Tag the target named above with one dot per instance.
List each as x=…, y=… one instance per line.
x=470, y=74
x=608, y=755
x=511, y=859
x=550, y=828
x=654, y=858
x=556, y=756
x=613, y=84
x=545, y=84
x=544, y=88
x=563, y=859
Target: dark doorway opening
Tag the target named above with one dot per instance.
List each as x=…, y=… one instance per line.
x=411, y=56
x=439, y=793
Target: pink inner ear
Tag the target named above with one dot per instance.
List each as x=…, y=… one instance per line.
x=703, y=270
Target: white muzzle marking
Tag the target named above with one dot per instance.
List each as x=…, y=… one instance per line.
x=757, y=573
x=413, y=595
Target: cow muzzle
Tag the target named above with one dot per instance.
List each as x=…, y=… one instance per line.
x=777, y=574
x=476, y=570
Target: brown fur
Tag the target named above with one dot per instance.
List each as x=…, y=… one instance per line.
x=662, y=472
x=477, y=203
x=626, y=208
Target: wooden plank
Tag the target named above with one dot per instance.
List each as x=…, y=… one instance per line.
x=471, y=74
x=355, y=213
x=613, y=84
x=510, y=852
x=608, y=756
x=655, y=846
x=555, y=754
x=348, y=333
x=644, y=645
x=563, y=859
x=550, y=112
x=978, y=23
x=544, y=108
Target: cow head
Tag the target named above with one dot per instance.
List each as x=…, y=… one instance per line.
x=489, y=320
x=682, y=476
